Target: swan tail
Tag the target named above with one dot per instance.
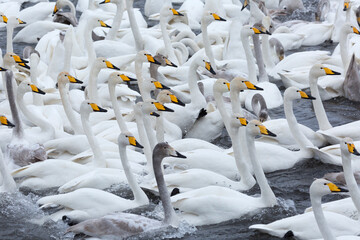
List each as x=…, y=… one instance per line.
x=265, y=229
x=20, y=172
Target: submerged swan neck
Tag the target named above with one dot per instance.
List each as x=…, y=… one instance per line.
x=320, y=218
x=350, y=179
x=319, y=110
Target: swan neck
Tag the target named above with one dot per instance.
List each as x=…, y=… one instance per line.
x=235, y=101
x=320, y=218
x=249, y=58
x=154, y=71
x=139, y=42
x=145, y=95
x=221, y=107
x=350, y=180
x=9, y=38
x=207, y=46
x=195, y=94
x=117, y=21
x=18, y=131
x=160, y=128
x=344, y=50
x=92, y=84
x=263, y=77
x=266, y=52
x=319, y=110
x=150, y=132
x=167, y=42
x=116, y=107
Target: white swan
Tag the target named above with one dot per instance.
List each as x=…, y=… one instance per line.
x=8, y=183
x=207, y=205
x=330, y=225
x=125, y=224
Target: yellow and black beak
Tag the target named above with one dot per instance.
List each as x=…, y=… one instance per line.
x=158, y=85
x=258, y=31
x=328, y=71
x=335, y=189
x=19, y=59
x=110, y=65
x=3, y=69
x=251, y=86
x=246, y=3
x=74, y=80
x=352, y=149
x=228, y=85
x=35, y=89
x=56, y=9
x=127, y=78
x=176, y=13
x=133, y=142
x=21, y=21
x=217, y=17
x=105, y=1
x=243, y=121
x=177, y=155
x=6, y=122
x=306, y=96
x=155, y=114
x=96, y=108
x=5, y=19
x=24, y=65
x=169, y=63
x=355, y=30
x=162, y=107
x=346, y=5
x=103, y=24
x=265, y=131
x=151, y=59
x=175, y=100
x=209, y=67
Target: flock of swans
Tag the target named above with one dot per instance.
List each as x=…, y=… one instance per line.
x=71, y=119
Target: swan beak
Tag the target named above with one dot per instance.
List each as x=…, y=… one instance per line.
x=3, y=69
x=228, y=85
x=209, y=67
x=352, y=149
x=5, y=19
x=169, y=63
x=175, y=100
x=334, y=188
x=243, y=121
x=161, y=107
x=177, y=155
x=55, y=10
x=74, y=80
x=158, y=85
x=104, y=24
x=6, y=122
x=19, y=59
x=126, y=78
x=24, y=65
x=110, y=65
x=176, y=12
x=21, y=21
x=154, y=114
x=281, y=57
x=355, y=30
x=35, y=89
x=245, y=5
x=251, y=86
x=151, y=59
x=96, y=108
x=328, y=71
x=258, y=31
x=105, y=1
x=265, y=131
x=306, y=96
x=217, y=17
x=346, y=5
x=133, y=142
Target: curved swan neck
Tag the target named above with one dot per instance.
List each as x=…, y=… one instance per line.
x=99, y=159
x=320, y=218
x=263, y=77
x=207, y=46
x=167, y=42
x=139, y=42
x=350, y=180
x=65, y=99
x=267, y=194
x=266, y=52
x=139, y=195
x=170, y=216
x=320, y=113
x=117, y=20
x=294, y=127
x=249, y=58
x=18, y=131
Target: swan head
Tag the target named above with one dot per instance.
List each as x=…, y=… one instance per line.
x=144, y=56
x=241, y=84
x=319, y=70
x=168, y=11
x=293, y=93
x=65, y=77
x=59, y=5
x=102, y=62
x=4, y=121
x=127, y=138
x=256, y=128
x=349, y=28
x=118, y=78
x=238, y=120
x=164, y=61
x=208, y=17
x=162, y=150
x=247, y=30
x=27, y=86
x=347, y=147
x=13, y=21
x=89, y=107
x=221, y=86
x=151, y=106
x=165, y=96
x=13, y=59
x=321, y=187
x=3, y=18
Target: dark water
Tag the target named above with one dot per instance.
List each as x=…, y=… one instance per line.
x=290, y=186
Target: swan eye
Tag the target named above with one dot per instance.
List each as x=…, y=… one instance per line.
x=325, y=184
x=88, y=103
x=256, y=125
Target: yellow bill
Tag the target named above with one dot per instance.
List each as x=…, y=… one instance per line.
x=176, y=12
x=103, y=24
x=56, y=9
x=333, y=187
x=35, y=89
x=243, y=121
x=5, y=19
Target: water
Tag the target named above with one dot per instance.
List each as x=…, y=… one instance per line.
x=291, y=186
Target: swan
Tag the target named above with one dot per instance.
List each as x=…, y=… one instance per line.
x=259, y=107
x=8, y=183
x=330, y=225
x=86, y=203
x=207, y=205
x=349, y=206
x=126, y=224
x=11, y=23
x=65, y=17
x=111, y=35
